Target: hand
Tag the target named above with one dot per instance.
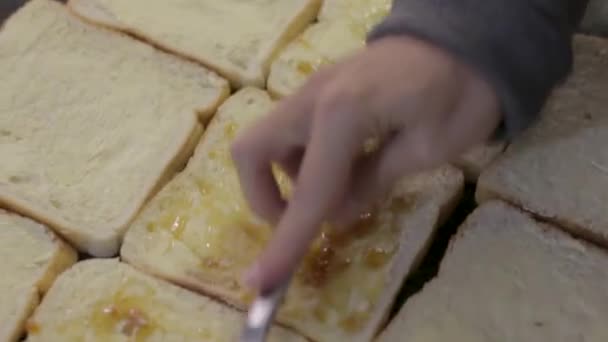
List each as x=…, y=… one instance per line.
x=420, y=104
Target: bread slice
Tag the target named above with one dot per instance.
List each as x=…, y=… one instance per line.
x=234, y=37
x=198, y=232
x=106, y=300
x=32, y=256
x=478, y=159
x=92, y=122
x=322, y=44
x=362, y=12
x=508, y=278
x=341, y=31
x=558, y=169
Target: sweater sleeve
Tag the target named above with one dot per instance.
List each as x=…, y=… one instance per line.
x=523, y=48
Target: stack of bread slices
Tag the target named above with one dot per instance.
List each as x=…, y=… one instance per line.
x=122, y=218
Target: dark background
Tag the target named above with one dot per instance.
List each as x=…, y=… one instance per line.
x=7, y=7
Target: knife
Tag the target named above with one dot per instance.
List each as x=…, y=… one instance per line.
x=261, y=314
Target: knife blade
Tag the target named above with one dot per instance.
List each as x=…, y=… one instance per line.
x=261, y=314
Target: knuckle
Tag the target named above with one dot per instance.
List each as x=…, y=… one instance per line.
x=336, y=99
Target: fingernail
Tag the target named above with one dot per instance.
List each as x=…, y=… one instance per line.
x=252, y=277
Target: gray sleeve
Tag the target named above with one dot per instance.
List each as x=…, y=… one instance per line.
x=523, y=48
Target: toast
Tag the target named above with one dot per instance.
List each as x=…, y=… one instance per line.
x=198, y=232
x=506, y=277
x=234, y=37
x=341, y=30
x=105, y=300
x=558, y=168
x=32, y=256
x=92, y=122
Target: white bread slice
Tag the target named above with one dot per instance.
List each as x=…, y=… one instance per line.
x=92, y=122
x=198, y=232
x=32, y=256
x=506, y=277
x=474, y=162
x=341, y=31
x=558, y=169
x=322, y=44
x=236, y=38
x=108, y=301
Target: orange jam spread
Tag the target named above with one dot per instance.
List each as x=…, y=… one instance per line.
x=32, y=327
x=308, y=67
x=124, y=313
x=203, y=209
x=305, y=68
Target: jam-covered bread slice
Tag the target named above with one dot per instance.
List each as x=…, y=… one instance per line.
x=104, y=300
x=199, y=232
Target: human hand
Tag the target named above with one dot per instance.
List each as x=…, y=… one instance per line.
x=420, y=104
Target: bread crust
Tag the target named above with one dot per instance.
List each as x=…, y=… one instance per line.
x=256, y=72
x=104, y=240
x=554, y=170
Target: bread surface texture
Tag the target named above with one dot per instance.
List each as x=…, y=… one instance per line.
x=92, y=122
x=32, y=256
x=234, y=37
x=367, y=13
x=506, y=277
x=198, y=232
x=108, y=301
x=557, y=169
x=341, y=30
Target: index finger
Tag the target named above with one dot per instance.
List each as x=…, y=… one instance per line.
x=267, y=141
x=324, y=176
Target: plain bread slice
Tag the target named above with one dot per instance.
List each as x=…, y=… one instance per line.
x=32, y=256
x=92, y=123
x=558, y=169
x=506, y=277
